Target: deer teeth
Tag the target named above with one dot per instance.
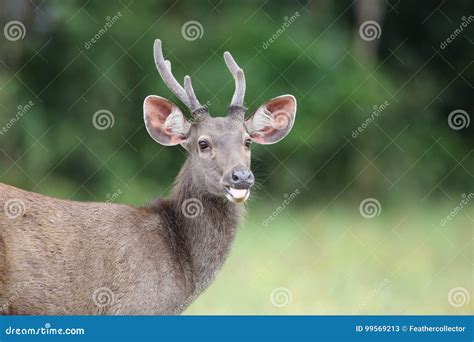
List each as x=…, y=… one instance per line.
x=237, y=195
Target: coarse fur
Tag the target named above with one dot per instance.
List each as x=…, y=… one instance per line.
x=154, y=260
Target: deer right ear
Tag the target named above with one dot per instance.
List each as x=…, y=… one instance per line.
x=164, y=121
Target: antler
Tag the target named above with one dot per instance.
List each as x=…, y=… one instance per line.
x=186, y=94
x=239, y=77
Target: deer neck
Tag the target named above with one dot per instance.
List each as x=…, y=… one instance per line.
x=205, y=224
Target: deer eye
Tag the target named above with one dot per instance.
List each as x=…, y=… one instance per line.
x=203, y=144
x=248, y=142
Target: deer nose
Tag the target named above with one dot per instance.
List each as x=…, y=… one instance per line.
x=242, y=178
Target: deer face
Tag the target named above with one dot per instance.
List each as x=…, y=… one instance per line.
x=219, y=148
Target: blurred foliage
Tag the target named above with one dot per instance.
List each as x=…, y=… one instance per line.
x=409, y=148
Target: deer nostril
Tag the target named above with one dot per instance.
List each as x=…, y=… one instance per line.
x=242, y=177
x=250, y=177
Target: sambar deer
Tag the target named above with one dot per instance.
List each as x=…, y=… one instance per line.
x=60, y=257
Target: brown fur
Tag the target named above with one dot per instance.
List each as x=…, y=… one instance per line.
x=154, y=260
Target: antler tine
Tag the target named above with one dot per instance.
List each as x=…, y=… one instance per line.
x=239, y=77
x=193, y=101
x=164, y=68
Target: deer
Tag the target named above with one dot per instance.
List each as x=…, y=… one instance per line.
x=62, y=257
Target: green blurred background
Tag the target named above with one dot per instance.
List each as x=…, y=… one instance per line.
x=305, y=248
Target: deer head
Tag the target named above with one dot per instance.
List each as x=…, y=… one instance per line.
x=219, y=148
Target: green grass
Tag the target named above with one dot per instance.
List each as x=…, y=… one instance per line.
x=337, y=262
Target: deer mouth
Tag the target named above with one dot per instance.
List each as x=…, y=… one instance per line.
x=236, y=195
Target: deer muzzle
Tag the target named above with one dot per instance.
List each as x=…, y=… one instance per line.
x=238, y=183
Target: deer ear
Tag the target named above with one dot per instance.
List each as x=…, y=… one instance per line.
x=164, y=121
x=273, y=120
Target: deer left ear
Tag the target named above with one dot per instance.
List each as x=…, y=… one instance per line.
x=273, y=120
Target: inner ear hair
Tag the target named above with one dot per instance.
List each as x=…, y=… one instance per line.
x=260, y=121
x=177, y=123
